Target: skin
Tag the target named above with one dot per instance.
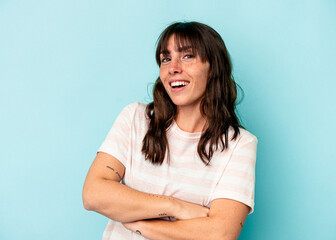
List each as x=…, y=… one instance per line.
x=181, y=64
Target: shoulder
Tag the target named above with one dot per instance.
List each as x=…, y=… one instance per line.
x=135, y=107
x=135, y=112
x=243, y=138
x=247, y=136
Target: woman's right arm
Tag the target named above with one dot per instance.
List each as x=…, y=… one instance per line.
x=103, y=193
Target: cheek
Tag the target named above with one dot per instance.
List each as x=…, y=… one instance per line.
x=164, y=79
x=162, y=75
x=203, y=78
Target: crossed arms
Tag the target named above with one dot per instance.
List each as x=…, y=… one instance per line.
x=139, y=211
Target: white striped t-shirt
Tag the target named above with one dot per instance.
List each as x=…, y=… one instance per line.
x=231, y=173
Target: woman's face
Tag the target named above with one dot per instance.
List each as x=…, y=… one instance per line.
x=183, y=75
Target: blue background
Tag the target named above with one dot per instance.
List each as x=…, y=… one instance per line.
x=67, y=68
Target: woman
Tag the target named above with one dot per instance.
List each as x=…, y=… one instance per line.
x=185, y=163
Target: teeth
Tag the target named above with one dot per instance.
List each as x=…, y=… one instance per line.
x=179, y=83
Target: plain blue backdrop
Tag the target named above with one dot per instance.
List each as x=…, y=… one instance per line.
x=68, y=67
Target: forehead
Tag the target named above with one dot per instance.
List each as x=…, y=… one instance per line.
x=174, y=43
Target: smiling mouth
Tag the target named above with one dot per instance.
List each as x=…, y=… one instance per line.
x=179, y=84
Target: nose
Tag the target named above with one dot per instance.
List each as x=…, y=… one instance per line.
x=175, y=66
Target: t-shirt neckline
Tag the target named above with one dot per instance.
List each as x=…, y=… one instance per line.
x=184, y=134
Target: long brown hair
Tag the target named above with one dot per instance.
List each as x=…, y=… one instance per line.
x=218, y=103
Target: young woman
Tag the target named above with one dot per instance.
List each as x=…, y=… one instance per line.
x=181, y=167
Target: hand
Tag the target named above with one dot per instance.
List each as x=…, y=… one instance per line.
x=186, y=210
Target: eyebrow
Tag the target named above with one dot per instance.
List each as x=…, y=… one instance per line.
x=180, y=49
x=184, y=48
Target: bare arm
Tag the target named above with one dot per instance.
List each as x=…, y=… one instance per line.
x=225, y=221
x=103, y=193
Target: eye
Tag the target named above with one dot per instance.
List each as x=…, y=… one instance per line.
x=188, y=56
x=165, y=60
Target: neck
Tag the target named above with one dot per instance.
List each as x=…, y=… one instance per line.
x=190, y=119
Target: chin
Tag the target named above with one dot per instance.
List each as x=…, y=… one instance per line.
x=178, y=102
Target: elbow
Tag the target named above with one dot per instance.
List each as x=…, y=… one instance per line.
x=218, y=234
x=88, y=200
x=87, y=204
x=224, y=234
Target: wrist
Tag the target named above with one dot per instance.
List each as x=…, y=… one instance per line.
x=174, y=207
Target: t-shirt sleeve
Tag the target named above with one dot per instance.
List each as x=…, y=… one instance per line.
x=238, y=179
x=118, y=139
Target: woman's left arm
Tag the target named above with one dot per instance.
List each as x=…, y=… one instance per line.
x=225, y=221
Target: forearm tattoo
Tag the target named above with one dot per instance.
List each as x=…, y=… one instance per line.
x=115, y=172
x=163, y=197
x=138, y=232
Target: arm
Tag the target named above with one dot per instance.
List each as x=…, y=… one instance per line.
x=103, y=193
x=226, y=217
x=225, y=221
